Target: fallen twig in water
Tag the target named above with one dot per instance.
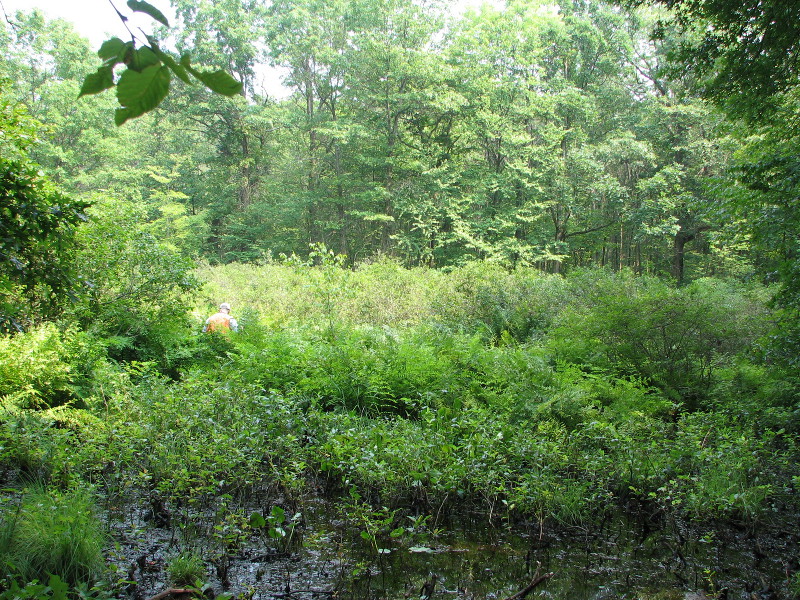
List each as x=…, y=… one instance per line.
x=537, y=580
x=172, y=592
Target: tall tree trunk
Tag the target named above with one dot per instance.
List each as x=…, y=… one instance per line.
x=312, y=150
x=682, y=238
x=678, y=248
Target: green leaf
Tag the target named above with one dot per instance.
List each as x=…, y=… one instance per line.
x=112, y=49
x=257, y=521
x=58, y=588
x=94, y=83
x=121, y=115
x=218, y=82
x=141, y=92
x=143, y=58
x=278, y=514
x=149, y=9
x=173, y=65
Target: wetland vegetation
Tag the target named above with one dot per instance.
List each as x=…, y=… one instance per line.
x=364, y=420
x=518, y=294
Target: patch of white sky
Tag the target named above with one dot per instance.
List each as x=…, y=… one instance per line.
x=97, y=20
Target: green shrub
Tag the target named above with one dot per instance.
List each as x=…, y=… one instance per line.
x=34, y=445
x=487, y=299
x=716, y=467
x=476, y=298
x=767, y=397
x=676, y=339
x=376, y=293
x=47, y=366
x=138, y=288
x=55, y=589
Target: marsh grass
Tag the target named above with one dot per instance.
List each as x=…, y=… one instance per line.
x=186, y=568
x=49, y=532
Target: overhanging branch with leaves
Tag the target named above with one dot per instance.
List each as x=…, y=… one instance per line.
x=148, y=70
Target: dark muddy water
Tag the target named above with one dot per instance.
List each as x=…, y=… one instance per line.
x=472, y=560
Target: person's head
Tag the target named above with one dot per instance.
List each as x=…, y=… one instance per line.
x=225, y=307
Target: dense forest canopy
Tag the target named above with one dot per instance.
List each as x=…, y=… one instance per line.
x=554, y=136
x=534, y=135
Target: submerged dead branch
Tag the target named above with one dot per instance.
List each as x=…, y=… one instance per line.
x=176, y=592
x=535, y=582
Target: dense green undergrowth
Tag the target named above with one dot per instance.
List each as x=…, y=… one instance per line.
x=412, y=393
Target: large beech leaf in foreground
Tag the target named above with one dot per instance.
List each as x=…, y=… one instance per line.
x=144, y=83
x=139, y=93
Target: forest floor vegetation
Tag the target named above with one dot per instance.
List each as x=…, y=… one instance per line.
x=363, y=414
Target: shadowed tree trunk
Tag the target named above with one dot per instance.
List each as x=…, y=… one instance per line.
x=682, y=238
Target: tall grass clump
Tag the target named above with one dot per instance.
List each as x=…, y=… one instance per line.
x=49, y=532
x=186, y=568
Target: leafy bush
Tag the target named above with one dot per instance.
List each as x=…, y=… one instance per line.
x=34, y=446
x=476, y=298
x=136, y=287
x=673, y=338
x=718, y=468
x=485, y=298
x=767, y=397
x=47, y=366
x=37, y=228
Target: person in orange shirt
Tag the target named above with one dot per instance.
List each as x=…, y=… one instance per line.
x=221, y=321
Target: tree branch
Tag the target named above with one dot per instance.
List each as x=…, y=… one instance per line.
x=536, y=581
x=8, y=20
x=590, y=230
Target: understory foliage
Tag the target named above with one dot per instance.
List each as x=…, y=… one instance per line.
x=531, y=397
x=37, y=226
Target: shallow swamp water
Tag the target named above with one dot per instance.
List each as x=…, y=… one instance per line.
x=627, y=557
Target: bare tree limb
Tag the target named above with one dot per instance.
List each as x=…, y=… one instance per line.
x=171, y=592
x=536, y=581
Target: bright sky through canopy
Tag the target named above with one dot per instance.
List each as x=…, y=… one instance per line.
x=97, y=20
x=94, y=19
